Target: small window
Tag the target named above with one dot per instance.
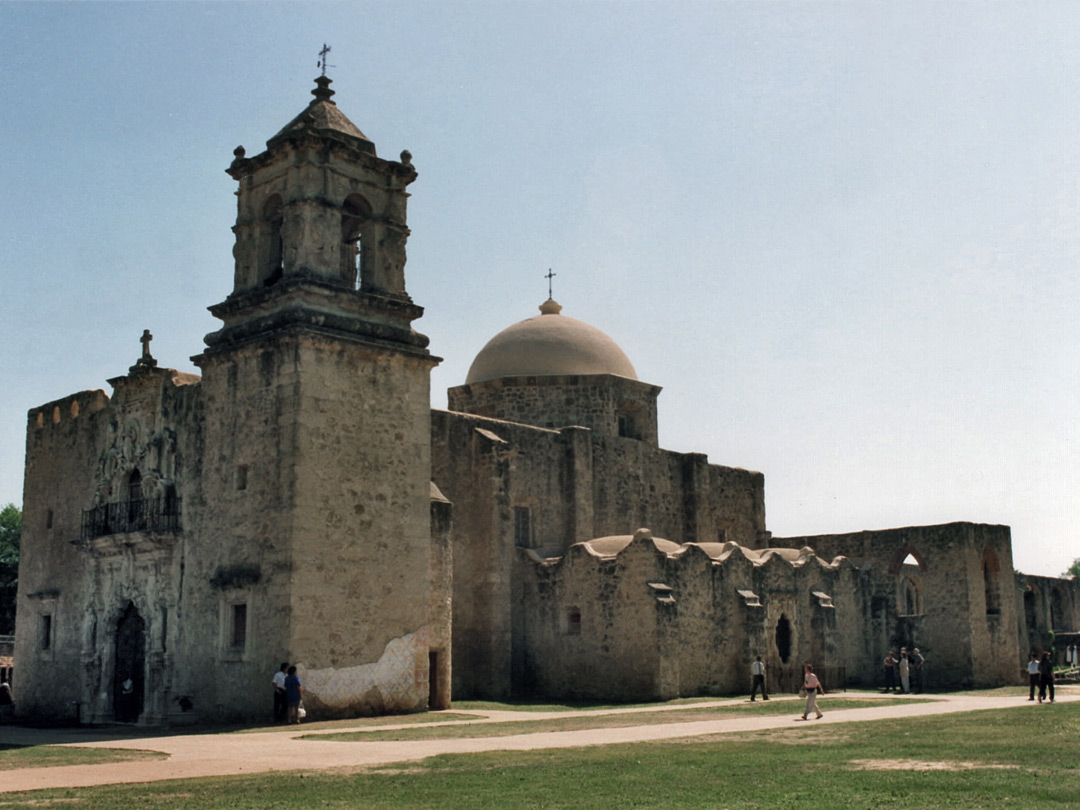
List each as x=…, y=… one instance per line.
x=238, y=635
x=241, y=476
x=990, y=568
x=522, y=529
x=627, y=418
x=48, y=518
x=45, y=631
x=573, y=621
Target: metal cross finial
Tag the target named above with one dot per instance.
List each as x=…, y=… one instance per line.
x=322, y=58
x=549, y=277
x=145, y=341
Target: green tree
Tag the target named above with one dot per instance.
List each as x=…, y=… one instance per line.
x=1073, y=570
x=10, y=530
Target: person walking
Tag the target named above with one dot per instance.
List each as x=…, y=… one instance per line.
x=1046, y=677
x=813, y=688
x=278, y=682
x=1033, y=675
x=757, y=673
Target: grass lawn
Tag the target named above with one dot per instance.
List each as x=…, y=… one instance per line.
x=511, y=727
x=50, y=756
x=1015, y=758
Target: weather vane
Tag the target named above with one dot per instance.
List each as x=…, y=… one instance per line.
x=549, y=277
x=322, y=58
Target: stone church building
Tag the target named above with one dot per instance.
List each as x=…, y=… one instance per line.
x=301, y=501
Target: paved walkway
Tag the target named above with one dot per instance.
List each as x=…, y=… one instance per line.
x=223, y=754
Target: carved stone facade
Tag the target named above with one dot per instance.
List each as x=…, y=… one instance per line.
x=300, y=501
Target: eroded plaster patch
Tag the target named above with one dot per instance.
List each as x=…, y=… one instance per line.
x=392, y=682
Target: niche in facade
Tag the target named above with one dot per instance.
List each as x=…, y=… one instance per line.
x=783, y=638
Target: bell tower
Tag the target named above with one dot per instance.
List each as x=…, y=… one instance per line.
x=320, y=233
x=317, y=458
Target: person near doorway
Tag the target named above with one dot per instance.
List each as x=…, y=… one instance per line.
x=890, y=672
x=125, y=712
x=278, y=682
x=757, y=675
x=1046, y=677
x=294, y=693
x=813, y=688
x=1033, y=675
x=917, y=663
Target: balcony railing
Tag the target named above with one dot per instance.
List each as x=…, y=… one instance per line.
x=148, y=515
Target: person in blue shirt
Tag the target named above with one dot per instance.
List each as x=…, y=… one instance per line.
x=294, y=693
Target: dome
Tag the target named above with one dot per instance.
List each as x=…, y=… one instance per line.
x=549, y=345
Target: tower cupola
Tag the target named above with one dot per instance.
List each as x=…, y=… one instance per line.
x=320, y=233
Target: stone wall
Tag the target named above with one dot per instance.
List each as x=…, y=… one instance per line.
x=53, y=589
x=1046, y=607
x=606, y=404
x=84, y=578
x=656, y=620
x=568, y=485
x=300, y=469
x=964, y=589
x=360, y=581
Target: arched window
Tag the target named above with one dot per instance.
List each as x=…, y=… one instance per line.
x=909, y=585
x=273, y=247
x=355, y=213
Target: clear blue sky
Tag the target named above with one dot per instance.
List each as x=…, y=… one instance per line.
x=844, y=237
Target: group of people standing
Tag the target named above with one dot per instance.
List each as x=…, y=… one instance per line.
x=1041, y=675
x=288, y=695
x=908, y=667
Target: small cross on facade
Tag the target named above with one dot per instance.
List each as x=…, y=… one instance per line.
x=549, y=277
x=145, y=341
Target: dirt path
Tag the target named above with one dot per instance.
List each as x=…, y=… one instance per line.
x=221, y=754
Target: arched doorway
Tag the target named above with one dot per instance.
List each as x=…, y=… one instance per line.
x=129, y=672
